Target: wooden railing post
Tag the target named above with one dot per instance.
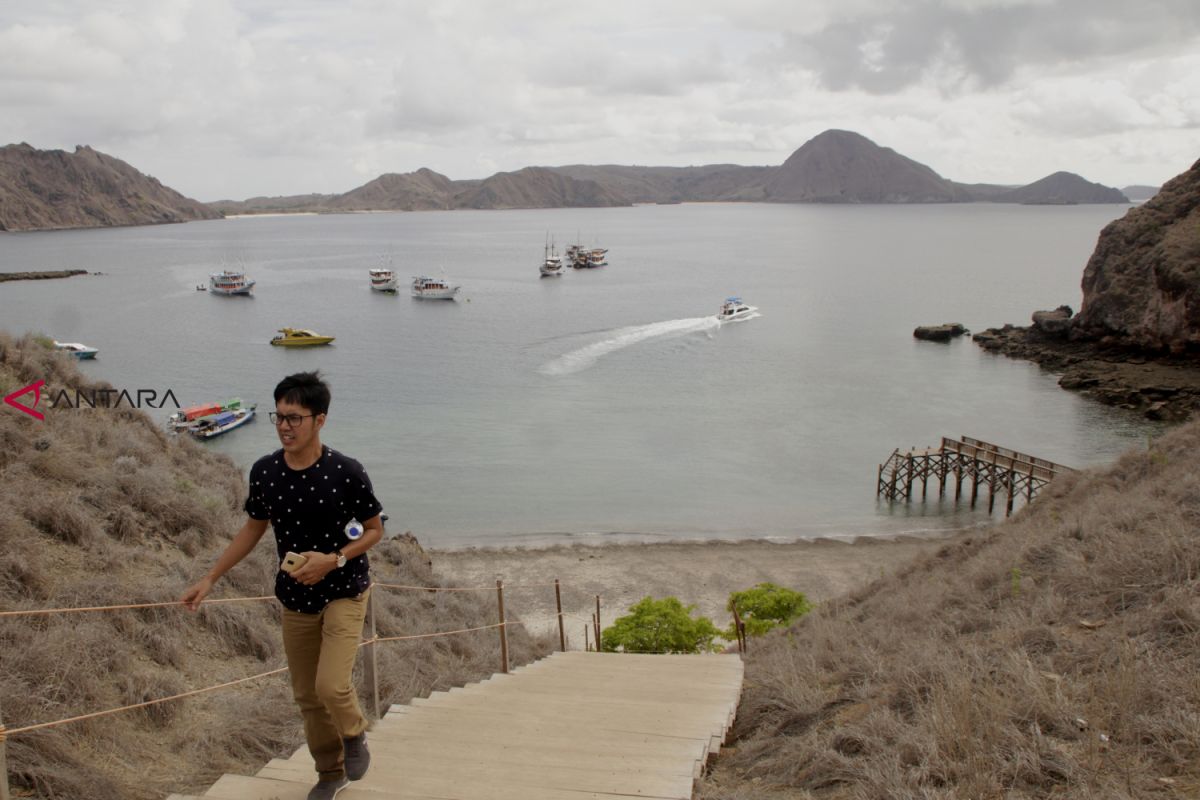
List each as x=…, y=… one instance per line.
x=597, y=623
x=738, y=631
x=371, y=657
x=4, y=795
x=503, y=627
x=587, y=642
x=562, y=636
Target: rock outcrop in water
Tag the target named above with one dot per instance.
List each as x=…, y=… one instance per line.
x=1135, y=342
x=48, y=189
x=1141, y=287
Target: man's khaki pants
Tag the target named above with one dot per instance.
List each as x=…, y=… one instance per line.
x=320, y=652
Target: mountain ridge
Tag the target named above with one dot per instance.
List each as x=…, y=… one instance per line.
x=44, y=190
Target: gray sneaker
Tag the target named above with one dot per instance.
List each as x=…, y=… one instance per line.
x=327, y=790
x=358, y=758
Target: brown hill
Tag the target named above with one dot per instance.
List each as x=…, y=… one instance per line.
x=1141, y=287
x=714, y=182
x=536, y=187
x=1052, y=656
x=845, y=167
x=48, y=189
x=1062, y=188
x=413, y=191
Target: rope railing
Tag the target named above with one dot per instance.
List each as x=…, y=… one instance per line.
x=72, y=609
x=180, y=696
x=463, y=588
x=370, y=639
x=4, y=732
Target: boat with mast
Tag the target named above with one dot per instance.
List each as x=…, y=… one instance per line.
x=551, y=261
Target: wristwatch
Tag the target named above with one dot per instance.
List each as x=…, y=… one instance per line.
x=341, y=559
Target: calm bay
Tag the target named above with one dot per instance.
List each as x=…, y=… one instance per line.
x=605, y=404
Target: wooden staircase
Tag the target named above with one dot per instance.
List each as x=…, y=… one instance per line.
x=573, y=726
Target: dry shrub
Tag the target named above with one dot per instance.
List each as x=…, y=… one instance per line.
x=144, y=685
x=61, y=516
x=111, y=511
x=1053, y=656
x=243, y=628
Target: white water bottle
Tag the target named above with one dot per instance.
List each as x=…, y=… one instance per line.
x=354, y=530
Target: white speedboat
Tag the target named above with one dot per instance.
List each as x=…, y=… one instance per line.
x=734, y=309
x=230, y=282
x=433, y=288
x=80, y=351
x=383, y=280
x=217, y=424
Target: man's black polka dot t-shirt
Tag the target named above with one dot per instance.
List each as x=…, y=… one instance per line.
x=309, y=509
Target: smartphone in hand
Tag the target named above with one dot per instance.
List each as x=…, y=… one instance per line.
x=292, y=562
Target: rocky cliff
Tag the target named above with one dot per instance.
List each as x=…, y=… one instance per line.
x=1141, y=287
x=46, y=189
x=1062, y=188
x=845, y=167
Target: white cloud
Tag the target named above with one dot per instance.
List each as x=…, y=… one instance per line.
x=233, y=98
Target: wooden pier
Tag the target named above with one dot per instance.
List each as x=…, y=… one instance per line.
x=997, y=469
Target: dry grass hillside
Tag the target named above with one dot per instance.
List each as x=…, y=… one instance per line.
x=1055, y=656
x=100, y=507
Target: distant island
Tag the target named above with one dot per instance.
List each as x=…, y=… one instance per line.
x=49, y=189
x=40, y=276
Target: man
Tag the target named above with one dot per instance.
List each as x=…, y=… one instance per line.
x=311, y=496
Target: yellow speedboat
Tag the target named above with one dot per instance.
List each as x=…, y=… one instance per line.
x=299, y=337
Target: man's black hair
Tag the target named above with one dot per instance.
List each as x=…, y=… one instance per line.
x=305, y=389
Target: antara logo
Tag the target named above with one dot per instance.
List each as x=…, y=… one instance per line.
x=93, y=398
x=36, y=388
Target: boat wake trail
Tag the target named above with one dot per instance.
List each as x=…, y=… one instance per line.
x=620, y=338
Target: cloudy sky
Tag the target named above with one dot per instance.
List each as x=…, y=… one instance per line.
x=234, y=98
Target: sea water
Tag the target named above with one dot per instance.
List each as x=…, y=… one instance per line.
x=605, y=404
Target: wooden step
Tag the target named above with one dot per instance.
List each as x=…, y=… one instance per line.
x=573, y=726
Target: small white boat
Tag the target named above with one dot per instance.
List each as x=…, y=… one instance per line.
x=734, y=309
x=200, y=287
x=80, y=351
x=383, y=280
x=217, y=424
x=230, y=282
x=427, y=288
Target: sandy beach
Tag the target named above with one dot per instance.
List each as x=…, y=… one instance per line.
x=700, y=573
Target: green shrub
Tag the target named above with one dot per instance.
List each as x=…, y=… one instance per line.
x=765, y=607
x=660, y=626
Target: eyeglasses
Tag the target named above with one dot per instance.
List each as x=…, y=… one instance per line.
x=292, y=420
